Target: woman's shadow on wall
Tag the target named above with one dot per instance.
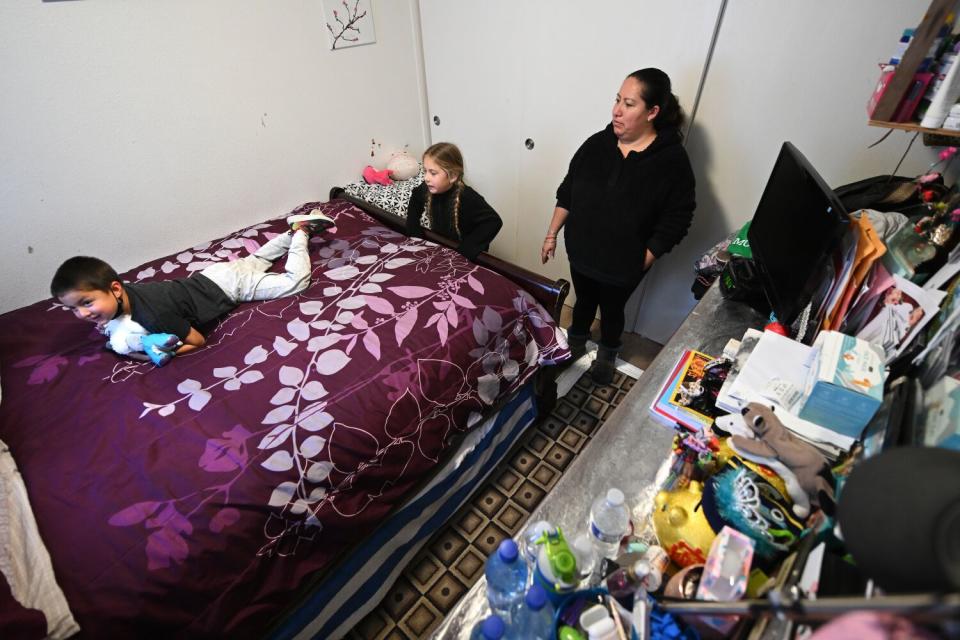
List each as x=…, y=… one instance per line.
x=664, y=299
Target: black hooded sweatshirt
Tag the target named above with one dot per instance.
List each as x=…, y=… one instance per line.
x=621, y=206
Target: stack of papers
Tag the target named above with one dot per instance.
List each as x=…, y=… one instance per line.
x=773, y=374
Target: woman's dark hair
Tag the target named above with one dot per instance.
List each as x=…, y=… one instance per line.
x=655, y=89
x=83, y=273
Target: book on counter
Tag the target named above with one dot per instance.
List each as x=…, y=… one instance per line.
x=678, y=398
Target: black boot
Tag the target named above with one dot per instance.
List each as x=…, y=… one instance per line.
x=578, y=345
x=605, y=365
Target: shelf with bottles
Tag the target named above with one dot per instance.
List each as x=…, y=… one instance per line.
x=921, y=77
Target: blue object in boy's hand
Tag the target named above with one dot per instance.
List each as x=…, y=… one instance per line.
x=160, y=347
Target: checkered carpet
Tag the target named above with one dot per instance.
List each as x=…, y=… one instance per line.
x=453, y=560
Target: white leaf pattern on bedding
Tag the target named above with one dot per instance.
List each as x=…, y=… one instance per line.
x=322, y=460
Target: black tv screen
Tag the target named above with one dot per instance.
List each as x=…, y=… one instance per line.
x=794, y=231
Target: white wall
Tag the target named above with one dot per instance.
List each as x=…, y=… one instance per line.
x=130, y=129
x=797, y=71
x=547, y=71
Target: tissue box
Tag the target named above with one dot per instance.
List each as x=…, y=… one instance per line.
x=844, y=383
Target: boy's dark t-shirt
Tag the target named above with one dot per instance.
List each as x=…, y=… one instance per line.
x=173, y=306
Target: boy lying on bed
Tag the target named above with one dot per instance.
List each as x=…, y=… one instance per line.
x=93, y=290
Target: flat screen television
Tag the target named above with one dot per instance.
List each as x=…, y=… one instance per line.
x=794, y=231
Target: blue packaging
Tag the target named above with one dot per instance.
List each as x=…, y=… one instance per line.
x=844, y=383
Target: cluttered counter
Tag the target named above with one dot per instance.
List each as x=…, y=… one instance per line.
x=628, y=451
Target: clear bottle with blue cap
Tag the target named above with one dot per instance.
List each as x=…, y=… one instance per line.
x=506, y=574
x=490, y=628
x=533, y=620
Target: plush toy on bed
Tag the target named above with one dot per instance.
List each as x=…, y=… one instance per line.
x=802, y=467
x=402, y=166
x=126, y=336
x=372, y=176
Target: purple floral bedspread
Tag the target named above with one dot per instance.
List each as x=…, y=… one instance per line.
x=198, y=498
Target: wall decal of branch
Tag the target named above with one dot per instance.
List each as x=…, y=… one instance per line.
x=349, y=23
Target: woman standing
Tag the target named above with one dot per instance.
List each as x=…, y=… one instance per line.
x=627, y=199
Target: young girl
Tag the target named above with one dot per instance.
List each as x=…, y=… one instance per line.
x=447, y=206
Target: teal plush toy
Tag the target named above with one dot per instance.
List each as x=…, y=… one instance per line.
x=127, y=336
x=160, y=347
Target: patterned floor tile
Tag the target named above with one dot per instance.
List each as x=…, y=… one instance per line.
x=455, y=557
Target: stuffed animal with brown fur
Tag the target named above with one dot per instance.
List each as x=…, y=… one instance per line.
x=802, y=467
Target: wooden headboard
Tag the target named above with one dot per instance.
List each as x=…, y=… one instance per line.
x=549, y=293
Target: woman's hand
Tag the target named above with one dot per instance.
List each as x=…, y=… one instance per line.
x=548, y=249
x=648, y=260
x=550, y=242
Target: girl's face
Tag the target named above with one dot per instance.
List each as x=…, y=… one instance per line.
x=437, y=179
x=630, y=114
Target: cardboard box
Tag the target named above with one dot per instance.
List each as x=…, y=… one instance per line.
x=844, y=385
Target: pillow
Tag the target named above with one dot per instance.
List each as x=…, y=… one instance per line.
x=393, y=198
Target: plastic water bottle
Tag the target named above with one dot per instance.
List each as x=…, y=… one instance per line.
x=534, y=619
x=506, y=578
x=586, y=556
x=609, y=522
x=490, y=628
x=531, y=546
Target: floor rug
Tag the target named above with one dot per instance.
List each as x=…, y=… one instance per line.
x=453, y=560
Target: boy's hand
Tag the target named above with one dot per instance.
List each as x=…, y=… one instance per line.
x=160, y=347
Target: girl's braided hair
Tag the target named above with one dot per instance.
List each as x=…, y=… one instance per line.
x=448, y=157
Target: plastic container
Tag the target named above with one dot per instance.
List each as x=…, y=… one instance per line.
x=605, y=629
x=506, y=579
x=609, y=523
x=587, y=564
x=657, y=558
x=623, y=583
x=490, y=628
x=534, y=618
x=556, y=569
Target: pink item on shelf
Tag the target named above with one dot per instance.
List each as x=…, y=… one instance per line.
x=886, y=75
x=911, y=101
x=372, y=176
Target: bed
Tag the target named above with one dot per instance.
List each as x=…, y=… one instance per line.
x=269, y=482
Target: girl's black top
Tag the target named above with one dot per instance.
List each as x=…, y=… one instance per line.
x=478, y=222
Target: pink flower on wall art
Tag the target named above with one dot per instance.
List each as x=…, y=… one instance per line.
x=349, y=23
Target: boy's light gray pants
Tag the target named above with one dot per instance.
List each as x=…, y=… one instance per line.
x=246, y=279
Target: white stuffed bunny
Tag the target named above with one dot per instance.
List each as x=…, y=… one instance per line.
x=126, y=336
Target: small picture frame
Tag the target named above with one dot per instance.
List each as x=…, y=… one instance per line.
x=349, y=23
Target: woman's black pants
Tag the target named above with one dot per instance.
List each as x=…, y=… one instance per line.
x=611, y=299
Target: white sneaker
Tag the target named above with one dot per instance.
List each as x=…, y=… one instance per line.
x=313, y=222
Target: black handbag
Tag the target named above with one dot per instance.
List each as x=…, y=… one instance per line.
x=884, y=193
